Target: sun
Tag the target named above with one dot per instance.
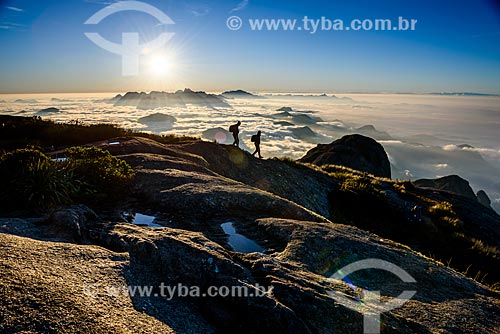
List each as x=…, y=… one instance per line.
x=160, y=65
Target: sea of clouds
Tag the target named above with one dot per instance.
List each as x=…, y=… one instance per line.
x=425, y=136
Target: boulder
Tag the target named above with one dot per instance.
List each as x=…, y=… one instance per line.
x=71, y=220
x=483, y=198
x=353, y=151
x=451, y=183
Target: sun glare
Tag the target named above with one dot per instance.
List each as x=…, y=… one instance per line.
x=160, y=65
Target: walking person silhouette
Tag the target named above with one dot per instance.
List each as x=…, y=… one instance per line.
x=235, y=130
x=256, y=140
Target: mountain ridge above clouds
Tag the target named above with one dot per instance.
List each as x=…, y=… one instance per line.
x=180, y=98
x=240, y=94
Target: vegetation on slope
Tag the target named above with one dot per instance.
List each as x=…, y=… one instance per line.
x=18, y=132
x=31, y=180
x=399, y=211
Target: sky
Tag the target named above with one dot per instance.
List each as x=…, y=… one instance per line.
x=454, y=48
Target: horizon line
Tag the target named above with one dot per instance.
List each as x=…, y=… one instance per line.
x=257, y=92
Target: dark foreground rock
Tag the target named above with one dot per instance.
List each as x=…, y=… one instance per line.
x=52, y=287
x=78, y=287
x=353, y=151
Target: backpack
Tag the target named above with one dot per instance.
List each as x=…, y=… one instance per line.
x=254, y=138
x=232, y=128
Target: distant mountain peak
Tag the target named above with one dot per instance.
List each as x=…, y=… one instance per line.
x=239, y=93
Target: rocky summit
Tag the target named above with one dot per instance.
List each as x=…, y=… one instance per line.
x=483, y=198
x=354, y=151
x=72, y=270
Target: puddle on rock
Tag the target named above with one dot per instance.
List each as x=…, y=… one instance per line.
x=238, y=242
x=141, y=219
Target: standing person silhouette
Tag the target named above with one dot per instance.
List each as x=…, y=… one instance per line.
x=235, y=130
x=256, y=140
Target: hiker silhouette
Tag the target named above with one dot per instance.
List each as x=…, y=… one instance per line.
x=256, y=140
x=235, y=130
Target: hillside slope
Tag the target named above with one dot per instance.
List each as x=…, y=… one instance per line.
x=60, y=272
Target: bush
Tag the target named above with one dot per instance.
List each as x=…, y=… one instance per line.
x=354, y=181
x=403, y=187
x=98, y=171
x=287, y=160
x=31, y=180
x=443, y=212
x=362, y=186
